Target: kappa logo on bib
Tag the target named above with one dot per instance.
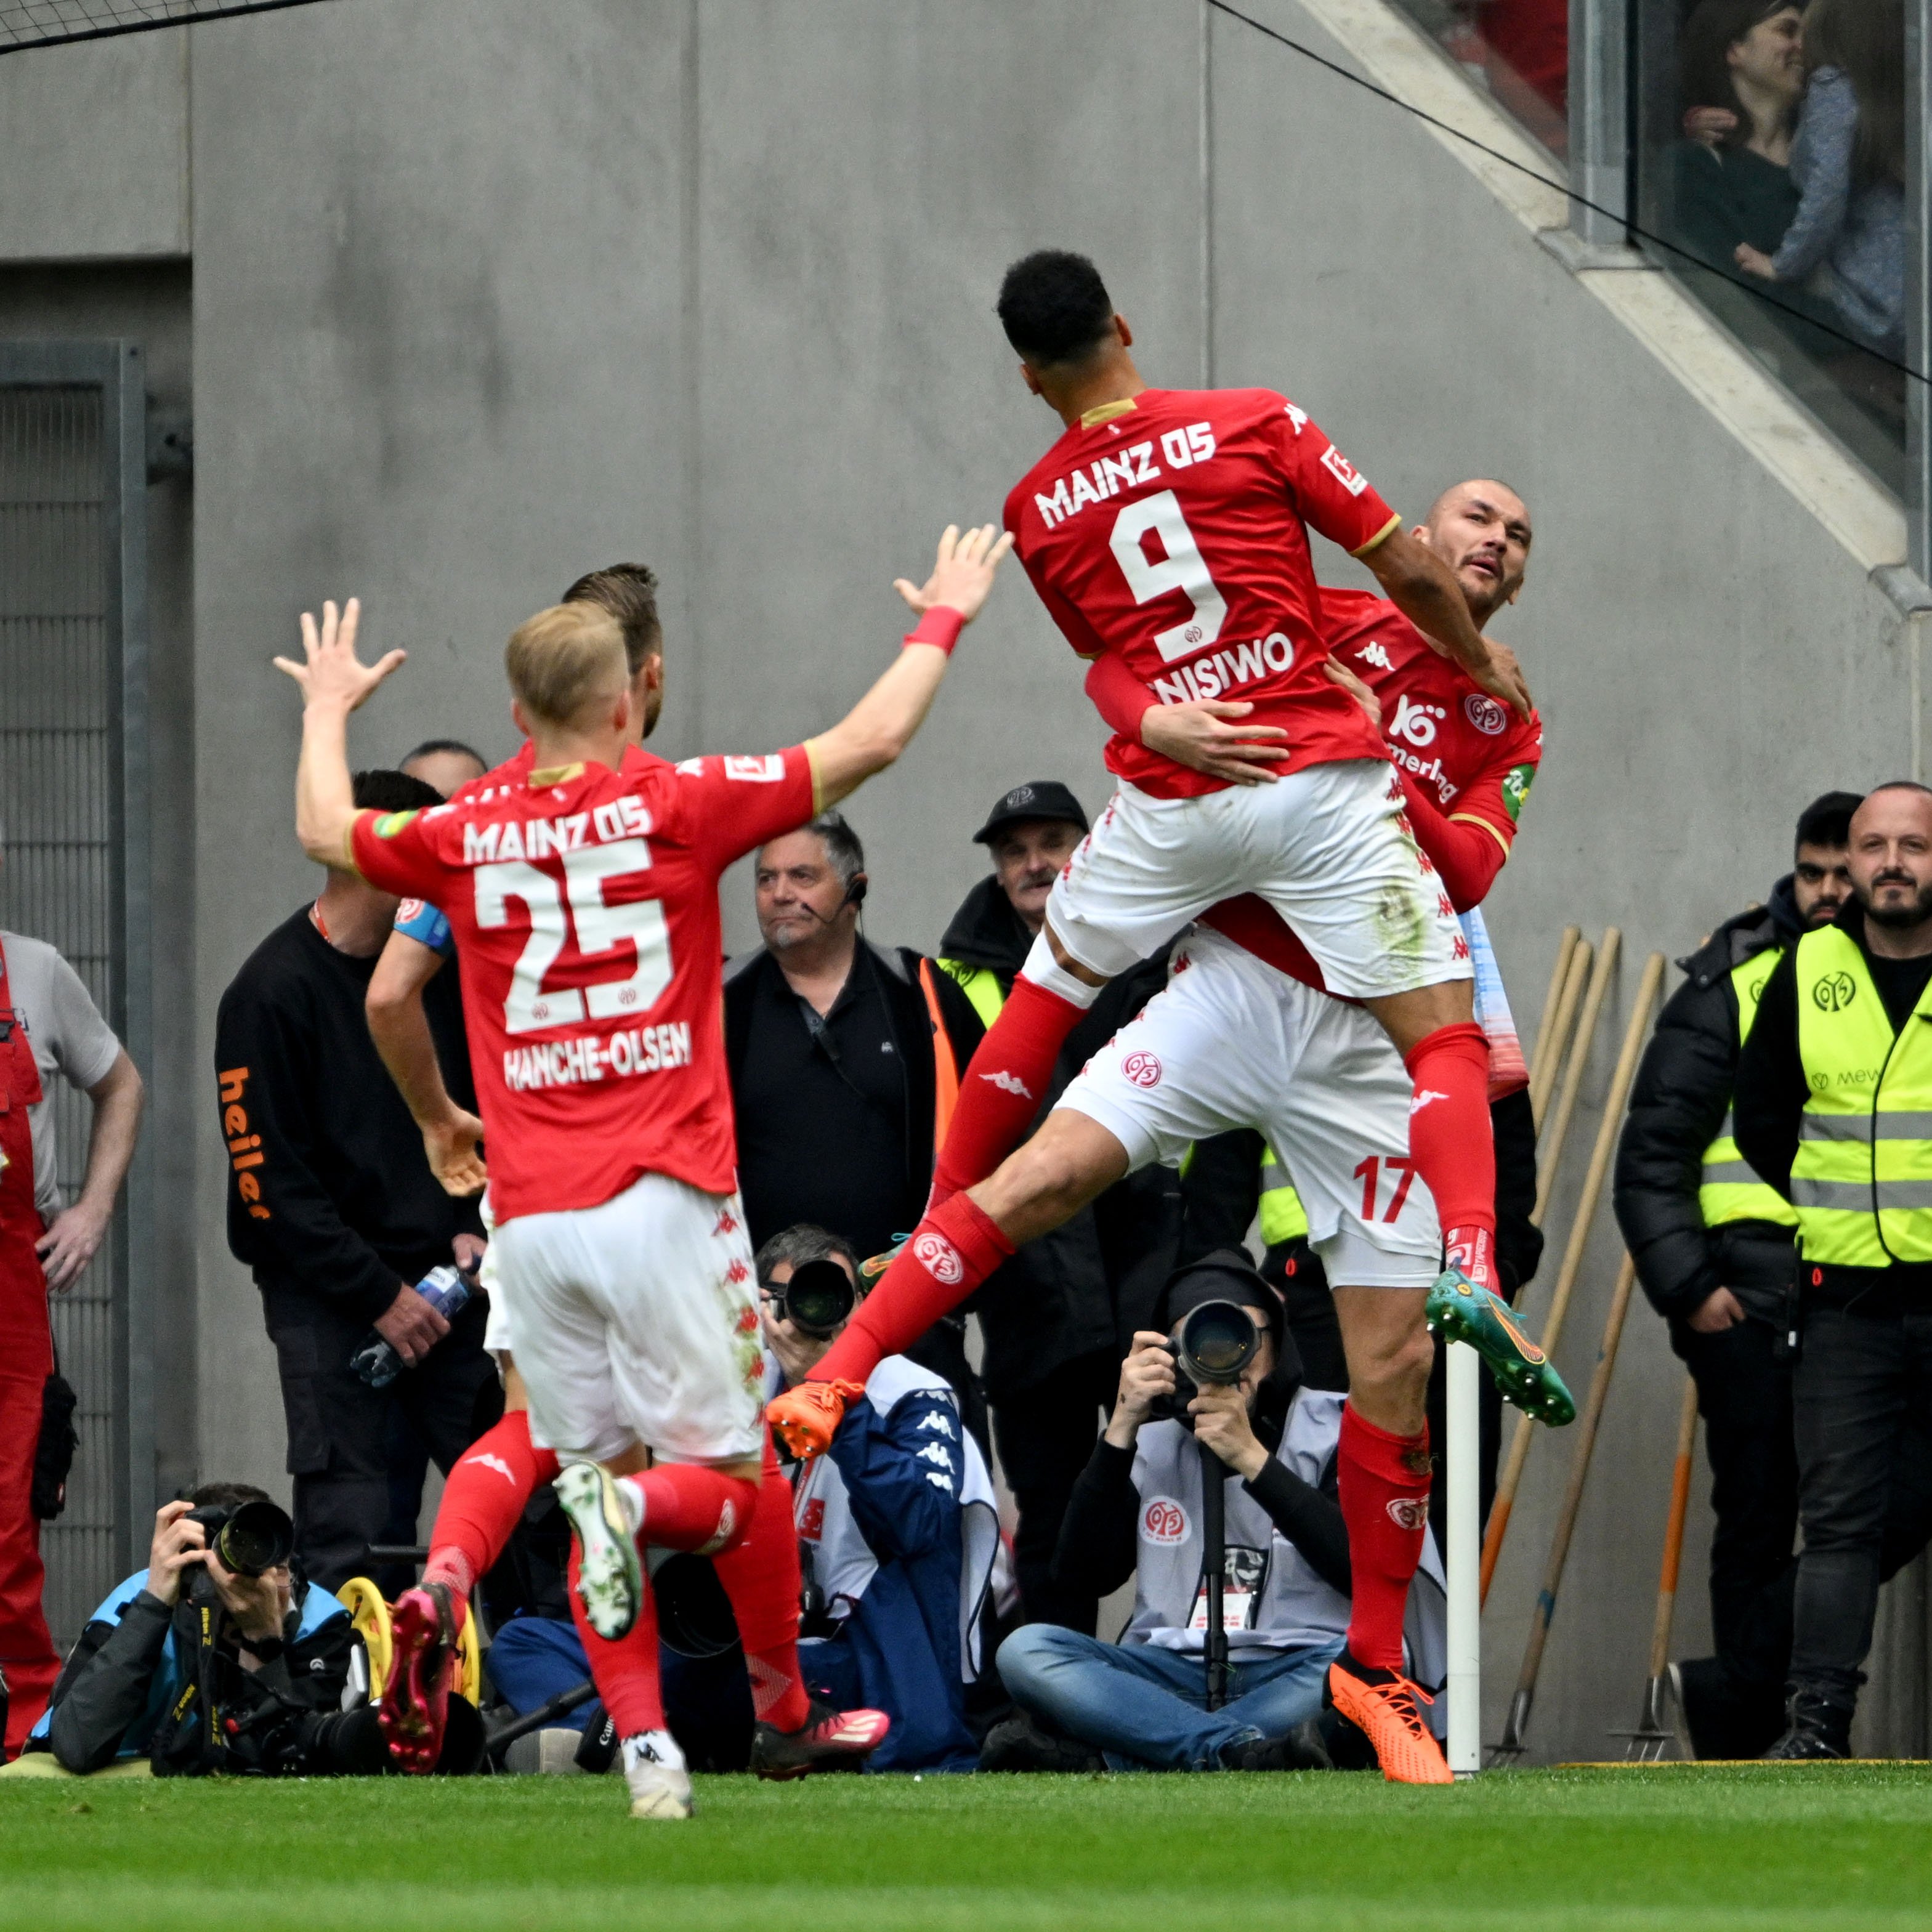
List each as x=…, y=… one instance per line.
x=1143, y=1068
x=940, y=1258
x=1164, y=1521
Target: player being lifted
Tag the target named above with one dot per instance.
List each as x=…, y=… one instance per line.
x=1223, y=607
x=484, y=1497
x=583, y=900
x=1243, y=1036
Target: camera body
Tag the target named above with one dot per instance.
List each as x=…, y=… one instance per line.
x=816, y=1300
x=1218, y=1340
x=249, y=1537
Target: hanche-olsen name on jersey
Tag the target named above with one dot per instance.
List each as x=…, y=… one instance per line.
x=570, y=1063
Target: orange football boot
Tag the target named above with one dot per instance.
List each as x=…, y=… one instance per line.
x=805, y=1419
x=1382, y=1704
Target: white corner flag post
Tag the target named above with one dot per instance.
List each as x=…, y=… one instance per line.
x=1465, y=1561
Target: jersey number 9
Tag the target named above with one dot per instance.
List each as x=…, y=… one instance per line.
x=1183, y=568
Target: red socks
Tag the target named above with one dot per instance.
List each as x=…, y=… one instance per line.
x=1450, y=1141
x=483, y=1501
x=626, y=1671
x=955, y=1246
x=1004, y=1082
x=1384, y=1481
x=761, y=1576
x=686, y=1507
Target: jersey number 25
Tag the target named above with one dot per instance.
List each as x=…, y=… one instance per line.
x=599, y=927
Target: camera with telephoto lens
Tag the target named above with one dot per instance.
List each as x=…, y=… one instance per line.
x=817, y=1299
x=249, y=1537
x=1218, y=1340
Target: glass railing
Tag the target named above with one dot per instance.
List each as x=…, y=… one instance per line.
x=1517, y=50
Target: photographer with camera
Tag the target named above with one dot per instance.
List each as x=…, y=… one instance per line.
x=897, y=1525
x=218, y=1658
x=1142, y=1508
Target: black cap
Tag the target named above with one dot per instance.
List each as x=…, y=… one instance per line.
x=1039, y=798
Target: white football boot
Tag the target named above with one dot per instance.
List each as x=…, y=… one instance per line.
x=610, y=1579
x=654, y=1769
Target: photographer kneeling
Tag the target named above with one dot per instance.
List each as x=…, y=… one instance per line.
x=1142, y=1704
x=897, y=1525
x=216, y=1659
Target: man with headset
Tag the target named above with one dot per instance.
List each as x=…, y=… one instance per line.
x=844, y=1057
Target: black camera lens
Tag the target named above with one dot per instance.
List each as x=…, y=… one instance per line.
x=817, y=1298
x=1218, y=1340
x=255, y=1536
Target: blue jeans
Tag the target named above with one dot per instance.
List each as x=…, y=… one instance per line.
x=1144, y=1708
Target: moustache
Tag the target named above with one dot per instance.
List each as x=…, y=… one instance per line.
x=1893, y=876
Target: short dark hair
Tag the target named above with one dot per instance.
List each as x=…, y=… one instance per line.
x=455, y=748
x=392, y=791
x=226, y=1496
x=1827, y=821
x=805, y=1241
x=629, y=593
x=841, y=844
x=1054, y=306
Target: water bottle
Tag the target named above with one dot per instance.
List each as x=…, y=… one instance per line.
x=446, y=1292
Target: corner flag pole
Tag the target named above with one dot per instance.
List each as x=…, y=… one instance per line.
x=1465, y=1561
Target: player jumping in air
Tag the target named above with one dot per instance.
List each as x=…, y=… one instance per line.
x=1166, y=532
x=1243, y=1036
x=583, y=900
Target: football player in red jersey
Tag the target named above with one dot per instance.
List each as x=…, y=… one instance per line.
x=1224, y=484
x=582, y=895
x=1244, y=1036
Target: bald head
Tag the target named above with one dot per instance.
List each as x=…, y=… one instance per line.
x=1480, y=529
x=1891, y=862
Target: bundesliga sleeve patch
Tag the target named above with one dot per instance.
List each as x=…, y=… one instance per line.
x=391, y=822
x=767, y=770
x=1516, y=790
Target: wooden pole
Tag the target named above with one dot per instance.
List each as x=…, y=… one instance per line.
x=1559, y=975
x=1572, y=1256
x=1542, y=1081
x=1518, y=1720
x=1549, y=1148
x=1652, y=1734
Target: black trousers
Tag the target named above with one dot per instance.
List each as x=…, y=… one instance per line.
x=342, y=1439
x=1861, y=1398
x=1046, y=1435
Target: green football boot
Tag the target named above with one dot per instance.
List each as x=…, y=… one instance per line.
x=1458, y=1309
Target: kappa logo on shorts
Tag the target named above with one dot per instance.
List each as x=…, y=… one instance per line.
x=1142, y=1068
x=727, y=1223
x=1009, y=1083
x=1484, y=712
x=940, y=1258
x=1163, y=1521
x=1409, y=1512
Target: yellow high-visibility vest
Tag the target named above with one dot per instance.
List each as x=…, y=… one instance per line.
x=1862, y=1181
x=1730, y=1189
x=981, y=985
x=1283, y=1218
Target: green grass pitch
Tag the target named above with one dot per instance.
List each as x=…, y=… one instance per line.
x=1707, y=1850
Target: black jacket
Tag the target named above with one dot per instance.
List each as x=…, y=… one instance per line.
x=1770, y=1100
x=1682, y=1092
x=328, y=1186
x=1085, y=1287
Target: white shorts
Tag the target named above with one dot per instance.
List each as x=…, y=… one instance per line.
x=637, y=1322
x=1325, y=846
x=1230, y=1043
x=499, y=1334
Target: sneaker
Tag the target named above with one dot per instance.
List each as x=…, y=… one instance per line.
x=1302, y=1749
x=1018, y=1744
x=828, y=1740
x=805, y=1419
x=1383, y=1704
x=610, y=1579
x=423, y=1627
x=654, y=1769
x=872, y=1271
x=1815, y=1731
x=1457, y=1308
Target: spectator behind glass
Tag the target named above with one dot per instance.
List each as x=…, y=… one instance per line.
x=843, y=1056
x=897, y=1529
x=1847, y=241
x=1742, y=68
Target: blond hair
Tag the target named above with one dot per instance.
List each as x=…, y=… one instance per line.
x=564, y=660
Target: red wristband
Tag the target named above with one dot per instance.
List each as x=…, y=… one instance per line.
x=941, y=625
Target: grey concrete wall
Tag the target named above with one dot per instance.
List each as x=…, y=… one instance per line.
x=487, y=293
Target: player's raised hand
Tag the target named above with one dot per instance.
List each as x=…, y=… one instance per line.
x=331, y=673
x=963, y=574
x=1202, y=736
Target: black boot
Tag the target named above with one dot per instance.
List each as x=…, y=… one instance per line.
x=1716, y=1718
x=1814, y=1729
x=1302, y=1749
x=1021, y=1745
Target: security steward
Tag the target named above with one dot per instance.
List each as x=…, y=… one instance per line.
x=1834, y=1109
x=1059, y=1316
x=1713, y=1246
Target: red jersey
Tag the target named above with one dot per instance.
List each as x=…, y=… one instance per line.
x=585, y=913
x=1173, y=529
x=1468, y=753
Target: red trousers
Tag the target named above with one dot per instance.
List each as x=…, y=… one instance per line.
x=27, y=1658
